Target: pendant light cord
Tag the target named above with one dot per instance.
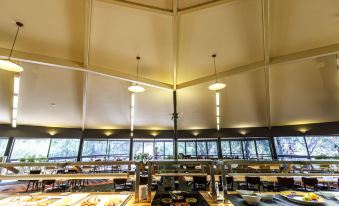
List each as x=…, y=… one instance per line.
x=215, y=68
x=16, y=35
x=138, y=59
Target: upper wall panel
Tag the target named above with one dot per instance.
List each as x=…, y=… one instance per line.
x=52, y=28
x=121, y=33
x=298, y=25
x=233, y=31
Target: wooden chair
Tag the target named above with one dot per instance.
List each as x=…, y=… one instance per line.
x=251, y=182
x=35, y=183
x=286, y=183
x=120, y=185
x=200, y=183
x=229, y=181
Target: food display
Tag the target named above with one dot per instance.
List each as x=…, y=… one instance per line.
x=306, y=198
x=191, y=200
x=179, y=198
x=105, y=200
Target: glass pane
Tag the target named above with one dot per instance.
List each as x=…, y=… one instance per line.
x=264, y=149
x=249, y=149
x=119, y=149
x=225, y=148
x=290, y=146
x=28, y=148
x=137, y=148
x=169, y=148
x=323, y=146
x=3, y=145
x=148, y=148
x=159, y=149
x=190, y=148
x=236, y=149
x=212, y=148
x=92, y=148
x=64, y=148
x=201, y=148
x=181, y=148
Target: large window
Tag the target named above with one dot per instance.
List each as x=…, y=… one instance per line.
x=321, y=147
x=291, y=147
x=143, y=147
x=198, y=148
x=254, y=148
x=105, y=150
x=63, y=150
x=30, y=148
x=3, y=145
x=163, y=149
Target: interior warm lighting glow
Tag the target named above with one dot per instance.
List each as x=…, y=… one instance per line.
x=132, y=112
x=217, y=104
x=195, y=133
x=16, y=88
x=13, y=123
x=243, y=132
x=154, y=134
x=135, y=88
x=52, y=132
x=108, y=133
x=10, y=66
x=303, y=130
x=216, y=86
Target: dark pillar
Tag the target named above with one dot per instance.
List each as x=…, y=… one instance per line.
x=80, y=148
x=273, y=149
x=131, y=149
x=175, y=124
x=9, y=148
x=219, y=148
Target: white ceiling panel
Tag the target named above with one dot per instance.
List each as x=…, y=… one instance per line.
x=120, y=34
x=232, y=31
x=40, y=87
x=298, y=25
x=305, y=92
x=52, y=28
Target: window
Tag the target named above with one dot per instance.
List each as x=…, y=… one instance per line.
x=198, y=148
x=118, y=149
x=64, y=149
x=264, y=149
x=94, y=149
x=3, y=145
x=143, y=147
x=254, y=148
x=163, y=149
x=323, y=146
x=291, y=147
x=30, y=148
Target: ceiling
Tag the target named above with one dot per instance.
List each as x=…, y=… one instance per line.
x=79, y=59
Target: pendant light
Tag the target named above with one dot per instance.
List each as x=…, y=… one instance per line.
x=216, y=85
x=135, y=88
x=8, y=64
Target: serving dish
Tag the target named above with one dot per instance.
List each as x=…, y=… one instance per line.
x=251, y=199
x=304, y=198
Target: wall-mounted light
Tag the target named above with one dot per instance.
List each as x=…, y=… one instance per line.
x=195, y=133
x=154, y=134
x=303, y=130
x=52, y=132
x=243, y=132
x=16, y=89
x=108, y=133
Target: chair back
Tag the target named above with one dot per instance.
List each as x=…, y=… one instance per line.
x=200, y=179
x=119, y=181
x=48, y=182
x=143, y=180
x=229, y=179
x=253, y=180
x=72, y=171
x=35, y=172
x=286, y=182
x=310, y=181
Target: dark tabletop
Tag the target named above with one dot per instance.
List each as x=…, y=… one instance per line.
x=159, y=195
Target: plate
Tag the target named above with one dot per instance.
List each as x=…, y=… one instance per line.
x=301, y=197
x=191, y=200
x=166, y=200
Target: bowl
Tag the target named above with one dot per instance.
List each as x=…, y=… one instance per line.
x=251, y=199
x=266, y=197
x=245, y=192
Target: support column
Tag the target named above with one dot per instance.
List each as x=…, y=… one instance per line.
x=273, y=149
x=131, y=149
x=9, y=148
x=219, y=148
x=175, y=125
x=80, y=148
